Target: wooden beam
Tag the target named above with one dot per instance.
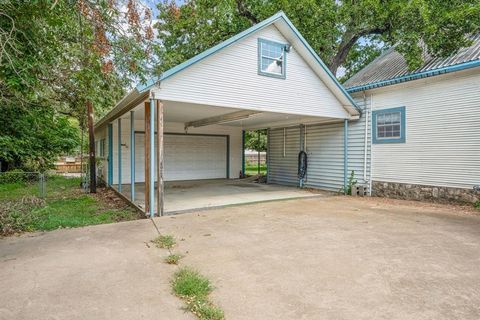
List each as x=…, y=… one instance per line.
x=229, y=117
x=152, y=158
x=160, y=152
x=147, y=158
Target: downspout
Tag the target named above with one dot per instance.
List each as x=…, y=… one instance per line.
x=132, y=155
x=345, y=155
x=366, y=138
x=243, y=154
x=371, y=153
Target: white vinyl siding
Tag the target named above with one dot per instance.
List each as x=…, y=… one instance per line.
x=282, y=153
x=442, y=145
x=229, y=78
x=324, y=144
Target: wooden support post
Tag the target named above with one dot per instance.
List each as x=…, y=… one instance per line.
x=160, y=151
x=147, y=158
x=152, y=158
x=91, y=149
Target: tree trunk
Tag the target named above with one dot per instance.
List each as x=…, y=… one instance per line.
x=91, y=148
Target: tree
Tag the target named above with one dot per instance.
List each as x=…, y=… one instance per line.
x=344, y=33
x=57, y=55
x=256, y=140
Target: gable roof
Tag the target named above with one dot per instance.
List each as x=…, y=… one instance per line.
x=286, y=27
x=391, y=67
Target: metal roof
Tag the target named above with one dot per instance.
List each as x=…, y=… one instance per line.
x=390, y=67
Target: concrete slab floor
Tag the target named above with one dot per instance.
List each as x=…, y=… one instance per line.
x=316, y=258
x=184, y=196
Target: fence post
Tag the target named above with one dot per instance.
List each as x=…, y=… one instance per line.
x=42, y=186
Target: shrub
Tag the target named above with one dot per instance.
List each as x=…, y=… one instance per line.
x=477, y=205
x=14, y=176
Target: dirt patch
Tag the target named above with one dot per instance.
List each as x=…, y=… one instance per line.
x=110, y=199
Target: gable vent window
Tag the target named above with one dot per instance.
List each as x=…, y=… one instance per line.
x=271, y=58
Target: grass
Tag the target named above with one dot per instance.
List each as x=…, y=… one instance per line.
x=65, y=206
x=252, y=169
x=164, y=241
x=173, y=258
x=194, y=288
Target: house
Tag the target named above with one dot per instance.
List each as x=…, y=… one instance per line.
x=188, y=124
x=425, y=142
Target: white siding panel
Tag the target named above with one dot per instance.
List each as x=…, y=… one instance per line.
x=443, y=132
x=229, y=78
x=325, y=156
x=283, y=161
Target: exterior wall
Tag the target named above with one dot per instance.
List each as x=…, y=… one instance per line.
x=422, y=192
x=229, y=78
x=235, y=134
x=442, y=145
x=324, y=144
x=282, y=155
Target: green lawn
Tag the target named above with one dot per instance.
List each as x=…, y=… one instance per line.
x=66, y=205
x=251, y=170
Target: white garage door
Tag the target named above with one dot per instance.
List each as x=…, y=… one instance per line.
x=187, y=157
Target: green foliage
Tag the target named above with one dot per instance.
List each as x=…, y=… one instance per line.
x=256, y=140
x=33, y=138
x=189, y=283
x=477, y=205
x=332, y=28
x=173, y=258
x=164, y=241
x=194, y=289
x=56, y=56
x=65, y=207
x=350, y=183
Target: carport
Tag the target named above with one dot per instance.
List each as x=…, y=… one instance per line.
x=176, y=142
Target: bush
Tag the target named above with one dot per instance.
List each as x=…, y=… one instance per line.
x=477, y=205
x=14, y=176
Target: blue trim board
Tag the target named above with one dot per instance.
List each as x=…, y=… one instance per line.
x=119, y=154
x=110, y=155
x=243, y=153
x=415, y=76
x=345, y=155
x=132, y=156
x=403, y=127
x=259, y=59
x=280, y=15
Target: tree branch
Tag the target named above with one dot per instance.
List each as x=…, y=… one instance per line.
x=244, y=12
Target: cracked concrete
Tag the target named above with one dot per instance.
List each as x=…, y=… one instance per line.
x=316, y=258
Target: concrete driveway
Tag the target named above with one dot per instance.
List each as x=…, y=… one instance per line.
x=317, y=258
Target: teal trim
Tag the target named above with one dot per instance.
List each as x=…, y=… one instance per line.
x=403, y=127
x=119, y=132
x=243, y=153
x=152, y=158
x=259, y=58
x=132, y=156
x=280, y=15
x=110, y=155
x=415, y=76
x=228, y=157
x=345, y=155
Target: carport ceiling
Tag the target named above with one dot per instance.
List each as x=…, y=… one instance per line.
x=186, y=112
